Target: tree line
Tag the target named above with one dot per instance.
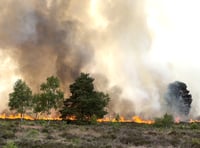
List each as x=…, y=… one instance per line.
x=84, y=103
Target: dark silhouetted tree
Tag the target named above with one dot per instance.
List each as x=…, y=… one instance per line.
x=20, y=99
x=178, y=99
x=84, y=101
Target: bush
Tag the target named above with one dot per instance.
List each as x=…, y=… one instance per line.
x=32, y=133
x=10, y=144
x=45, y=130
x=7, y=134
x=165, y=121
x=93, y=119
x=194, y=126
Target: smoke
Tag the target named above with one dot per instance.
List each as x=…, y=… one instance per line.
x=124, y=59
x=46, y=39
x=121, y=43
x=178, y=99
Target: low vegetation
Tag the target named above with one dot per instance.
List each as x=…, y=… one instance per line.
x=165, y=121
x=34, y=134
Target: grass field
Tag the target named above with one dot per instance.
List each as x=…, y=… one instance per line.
x=59, y=134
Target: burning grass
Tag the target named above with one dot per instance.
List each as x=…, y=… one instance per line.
x=135, y=119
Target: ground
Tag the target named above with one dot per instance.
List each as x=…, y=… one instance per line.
x=40, y=134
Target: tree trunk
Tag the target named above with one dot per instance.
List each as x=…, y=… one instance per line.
x=36, y=116
x=21, y=117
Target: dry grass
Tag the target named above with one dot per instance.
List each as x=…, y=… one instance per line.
x=34, y=134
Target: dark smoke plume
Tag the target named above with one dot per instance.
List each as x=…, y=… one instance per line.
x=178, y=98
x=44, y=39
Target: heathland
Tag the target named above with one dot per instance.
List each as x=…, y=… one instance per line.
x=42, y=134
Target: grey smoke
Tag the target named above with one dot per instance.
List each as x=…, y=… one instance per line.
x=46, y=39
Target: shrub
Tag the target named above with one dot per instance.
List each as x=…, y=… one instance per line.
x=10, y=144
x=93, y=119
x=6, y=134
x=32, y=133
x=194, y=126
x=165, y=121
x=45, y=130
x=195, y=141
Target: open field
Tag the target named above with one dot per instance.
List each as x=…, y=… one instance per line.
x=38, y=134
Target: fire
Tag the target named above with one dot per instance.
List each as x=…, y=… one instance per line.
x=135, y=119
x=177, y=120
x=192, y=121
x=48, y=118
x=107, y=119
x=26, y=117
x=17, y=116
x=71, y=118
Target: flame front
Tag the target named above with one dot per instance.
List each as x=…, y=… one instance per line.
x=192, y=121
x=17, y=116
x=135, y=119
x=71, y=118
x=26, y=117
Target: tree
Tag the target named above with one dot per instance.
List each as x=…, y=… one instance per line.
x=20, y=98
x=84, y=101
x=51, y=97
x=37, y=104
x=178, y=98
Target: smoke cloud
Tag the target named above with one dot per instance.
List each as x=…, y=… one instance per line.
x=46, y=39
x=112, y=40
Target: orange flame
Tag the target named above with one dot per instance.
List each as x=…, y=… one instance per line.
x=192, y=121
x=135, y=119
x=177, y=120
x=17, y=116
x=48, y=118
x=26, y=117
x=71, y=118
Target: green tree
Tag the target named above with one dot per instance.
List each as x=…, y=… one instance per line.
x=84, y=101
x=20, y=98
x=37, y=104
x=51, y=97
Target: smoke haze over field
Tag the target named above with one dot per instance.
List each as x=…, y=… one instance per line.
x=134, y=48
